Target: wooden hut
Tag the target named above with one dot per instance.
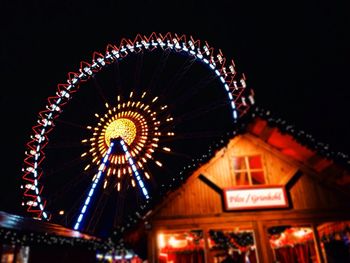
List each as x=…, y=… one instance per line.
x=272, y=194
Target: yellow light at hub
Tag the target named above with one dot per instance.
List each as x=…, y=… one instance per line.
x=138, y=124
x=124, y=128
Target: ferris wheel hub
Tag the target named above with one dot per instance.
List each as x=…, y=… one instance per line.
x=122, y=127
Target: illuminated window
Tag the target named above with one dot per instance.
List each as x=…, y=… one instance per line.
x=292, y=244
x=227, y=245
x=248, y=170
x=181, y=246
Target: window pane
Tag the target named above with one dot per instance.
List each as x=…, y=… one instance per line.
x=242, y=178
x=231, y=246
x=239, y=163
x=258, y=178
x=181, y=246
x=292, y=244
x=255, y=162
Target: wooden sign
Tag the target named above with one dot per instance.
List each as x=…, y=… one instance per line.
x=255, y=197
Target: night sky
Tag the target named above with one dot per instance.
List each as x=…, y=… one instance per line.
x=295, y=56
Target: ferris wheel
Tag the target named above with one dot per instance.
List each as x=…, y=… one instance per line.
x=124, y=124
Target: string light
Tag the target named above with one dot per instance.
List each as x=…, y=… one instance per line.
x=95, y=181
x=134, y=170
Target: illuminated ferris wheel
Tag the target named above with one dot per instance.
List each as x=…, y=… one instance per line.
x=125, y=124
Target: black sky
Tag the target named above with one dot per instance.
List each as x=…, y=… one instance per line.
x=295, y=56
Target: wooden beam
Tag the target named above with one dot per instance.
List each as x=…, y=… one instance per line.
x=316, y=215
x=211, y=184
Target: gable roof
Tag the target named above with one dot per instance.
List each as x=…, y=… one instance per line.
x=299, y=136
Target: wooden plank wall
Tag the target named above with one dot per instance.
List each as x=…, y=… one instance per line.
x=308, y=194
x=196, y=198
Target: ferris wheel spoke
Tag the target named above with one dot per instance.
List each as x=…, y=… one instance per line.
x=97, y=210
x=99, y=89
x=179, y=154
x=198, y=112
x=122, y=198
x=71, y=124
x=119, y=212
x=70, y=211
x=61, y=193
x=67, y=165
x=70, y=185
x=201, y=84
x=195, y=135
x=117, y=76
x=157, y=73
x=179, y=75
x=64, y=145
x=138, y=70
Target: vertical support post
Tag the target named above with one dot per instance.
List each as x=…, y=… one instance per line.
x=152, y=245
x=265, y=254
x=317, y=242
x=206, y=246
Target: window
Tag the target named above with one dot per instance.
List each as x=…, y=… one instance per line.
x=227, y=245
x=248, y=170
x=293, y=244
x=181, y=246
x=211, y=245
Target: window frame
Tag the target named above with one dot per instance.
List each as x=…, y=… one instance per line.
x=248, y=170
